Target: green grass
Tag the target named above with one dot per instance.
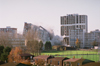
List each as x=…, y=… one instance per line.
x=90, y=57
x=70, y=54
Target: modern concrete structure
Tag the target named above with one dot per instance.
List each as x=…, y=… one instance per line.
x=73, y=26
x=91, y=37
x=77, y=34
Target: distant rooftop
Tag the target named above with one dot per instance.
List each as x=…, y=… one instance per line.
x=73, y=60
x=58, y=58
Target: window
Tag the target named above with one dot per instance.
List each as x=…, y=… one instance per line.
x=58, y=62
x=78, y=64
x=77, y=26
x=50, y=61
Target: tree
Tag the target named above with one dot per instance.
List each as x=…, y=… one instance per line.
x=94, y=43
x=1, y=49
x=73, y=57
x=15, y=55
x=41, y=45
x=48, y=45
x=5, y=39
x=77, y=43
x=5, y=53
x=32, y=42
x=4, y=56
x=7, y=50
x=33, y=46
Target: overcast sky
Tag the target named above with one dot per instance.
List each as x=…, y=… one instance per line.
x=47, y=13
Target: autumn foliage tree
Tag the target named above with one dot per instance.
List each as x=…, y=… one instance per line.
x=26, y=62
x=77, y=43
x=14, y=55
x=94, y=43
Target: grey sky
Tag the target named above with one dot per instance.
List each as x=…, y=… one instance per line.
x=47, y=12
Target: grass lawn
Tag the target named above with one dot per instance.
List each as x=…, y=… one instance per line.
x=70, y=54
x=90, y=57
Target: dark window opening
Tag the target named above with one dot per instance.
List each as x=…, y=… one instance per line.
x=58, y=62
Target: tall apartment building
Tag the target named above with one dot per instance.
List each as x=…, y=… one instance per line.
x=73, y=26
x=9, y=37
x=11, y=32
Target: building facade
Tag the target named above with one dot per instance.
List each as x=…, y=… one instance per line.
x=77, y=34
x=10, y=37
x=91, y=37
x=17, y=42
x=73, y=26
x=41, y=33
x=11, y=32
